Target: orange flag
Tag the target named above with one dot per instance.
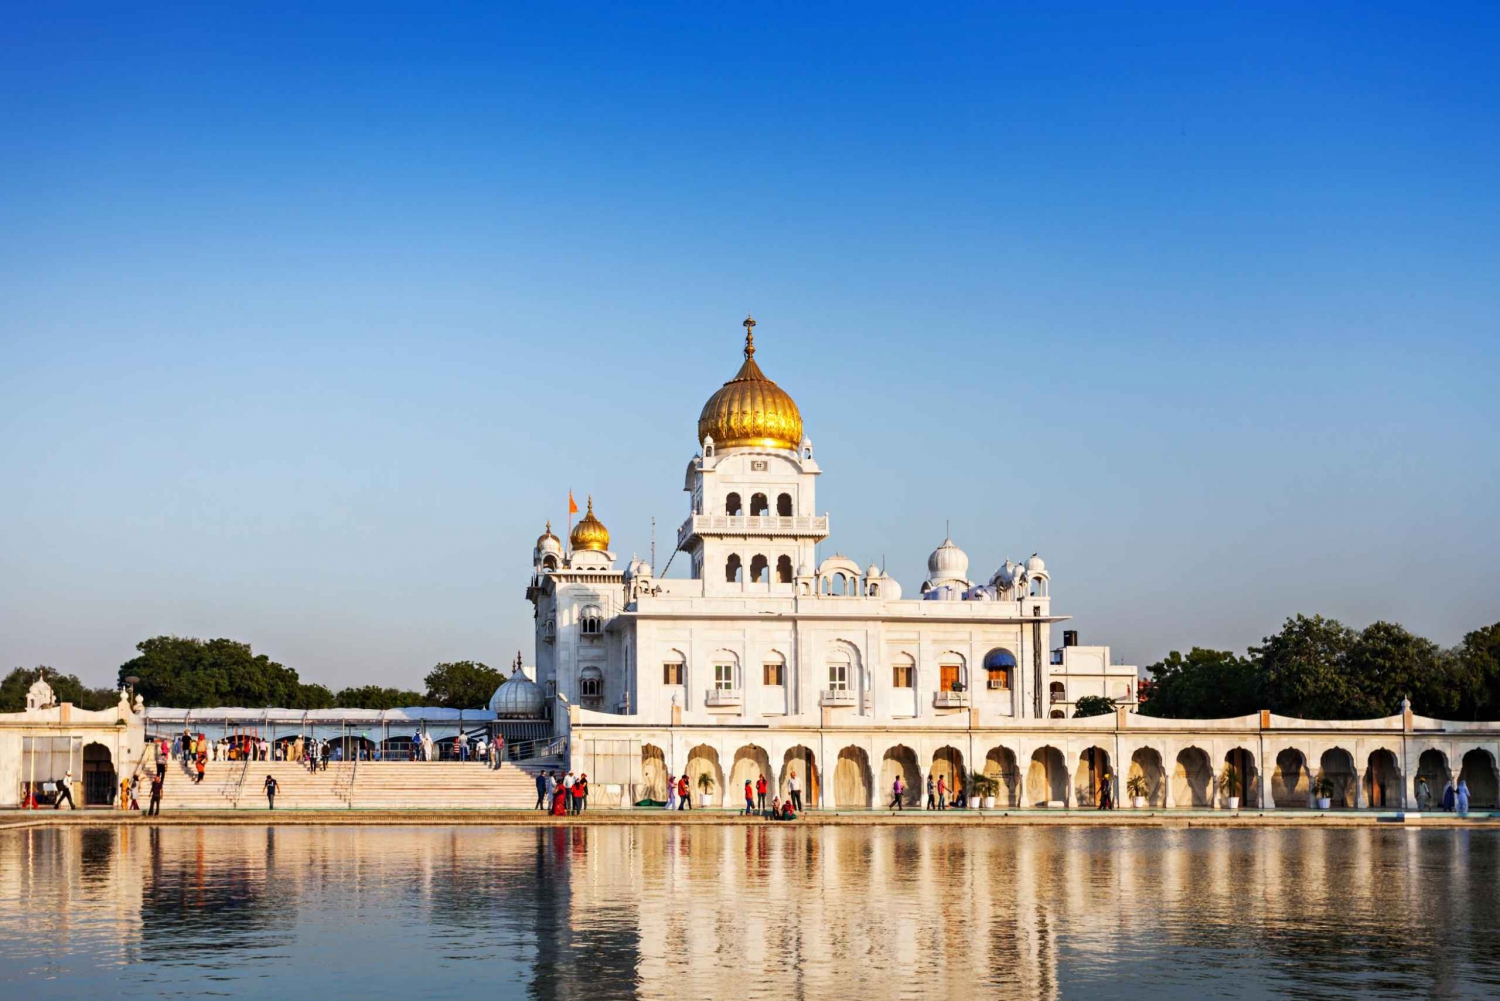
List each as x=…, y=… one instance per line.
x=572, y=504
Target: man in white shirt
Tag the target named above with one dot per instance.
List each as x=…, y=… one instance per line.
x=794, y=790
x=65, y=792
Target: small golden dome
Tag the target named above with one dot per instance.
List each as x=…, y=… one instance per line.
x=547, y=542
x=751, y=411
x=590, y=533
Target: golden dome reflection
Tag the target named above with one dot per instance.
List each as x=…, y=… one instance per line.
x=751, y=411
x=590, y=533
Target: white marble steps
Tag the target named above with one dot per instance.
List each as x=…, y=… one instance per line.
x=437, y=785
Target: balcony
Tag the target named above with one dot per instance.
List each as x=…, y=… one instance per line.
x=839, y=697
x=950, y=700
x=767, y=525
x=724, y=698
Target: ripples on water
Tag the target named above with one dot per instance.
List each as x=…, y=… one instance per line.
x=747, y=912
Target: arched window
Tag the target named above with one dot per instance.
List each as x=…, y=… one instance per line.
x=592, y=619
x=784, y=569
x=732, y=569
x=549, y=562
x=1057, y=714
x=784, y=505
x=839, y=671
x=904, y=671
x=758, y=566
x=773, y=669
x=951, y=673
x=839, y=585
x=673, y=668
x=999, y=668
x=1039, y=587
x=732, y=504
x=1059, y=692
x=591, y=685
x=726, y=671
x=758, y=504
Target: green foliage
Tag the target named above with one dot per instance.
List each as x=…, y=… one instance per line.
x=1229, y=782
x=189, y=673
x=375, y=697
x=462, y=684
x=1206, y=684
x=1136, y=785
x=1093, y=705
x=1474, y=674
x=1304, y=668
x=313, y=697
x=65, y=688
x=983, y=786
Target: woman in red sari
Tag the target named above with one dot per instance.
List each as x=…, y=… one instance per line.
x=560, y=801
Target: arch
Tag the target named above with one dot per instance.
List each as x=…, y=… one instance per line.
x=784, y=569
x=591, y=685
x=1432, y=766
x=653, y=774
x=1382, y=780
x=346, y=747
x=758, y=573
x=674, y=668
x=804, y=763
x=851, y=778
x=953, y=674
x=948, y=764
x=1057, y=714
x=1291, y=784
x=759, y=505
x=1478, y=771
x=843, y=663
x=549, y=562
x=1193, y=778
x=838, y=584
x=725, y=665
x=773, y=669
x=784, y=505
x=999, y=668
x=1337, y=767
x=732, y=569
x=592, y=620
x=1242, y=761
x=1047, y=777
x=1145, y=764
x=1091, y=775
x=750, y=762
x=1057, y=691
x=704, y=760
x=1000, y=766
x=732, y=504
x=901, y=761
x=100, y=785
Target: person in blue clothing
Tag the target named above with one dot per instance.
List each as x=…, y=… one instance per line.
x=541, y=790
x=1450, y=796
x=1461, y=798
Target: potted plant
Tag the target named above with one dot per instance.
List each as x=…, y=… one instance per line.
x=1230, y=785
x=1324, y=788
x=985, y=787
x=706, y=789
x=1138, y=789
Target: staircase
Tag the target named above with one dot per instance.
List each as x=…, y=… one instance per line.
x=362, y=785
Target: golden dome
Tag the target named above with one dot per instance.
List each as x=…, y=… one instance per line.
x=590, y=533
x=751, y=411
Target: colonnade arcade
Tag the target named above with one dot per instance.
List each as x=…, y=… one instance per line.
x=840, y=770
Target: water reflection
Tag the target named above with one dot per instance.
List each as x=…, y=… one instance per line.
x=748, y=912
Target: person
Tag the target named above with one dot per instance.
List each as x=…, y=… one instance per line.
x=1460, y=798
x=749, y=799
x=135, y=791
x=271, y=787
x=776, y=807
x=794, y=789
x=671, y=792
x=1107, y=794
x=65, y=792
x=931, y=793
x=560, y=800
x=897, y=788
x=1424, y=794
x=760, y=794
x=577, y=790
x=202, y=766
x=481, y=749
x=787, y=813
x=161, y=757
x=125, y=794
x=684, y=799
x=582, y=799
x=1450, y=794
x=497, y=749
x=568, y=791
x=541, y=790
x=155, y=807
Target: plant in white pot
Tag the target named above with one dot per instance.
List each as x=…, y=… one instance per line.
x=985, y=789
x=705, y=790
x=1138, y=789
x=1325, y=792
x=1230, y=784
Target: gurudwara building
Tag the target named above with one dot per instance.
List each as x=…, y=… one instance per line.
x=766, y=660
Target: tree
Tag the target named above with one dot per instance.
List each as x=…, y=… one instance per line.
x=1305, y=670
x=375, y=697
x=1474, y=672
x=65, y=688
x=313, y=697
x=462, y=684
x=1093, y=705
x=1206, y=684
x=1385, y=664
x=189, y=673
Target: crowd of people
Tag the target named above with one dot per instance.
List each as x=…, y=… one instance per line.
x=563, y=796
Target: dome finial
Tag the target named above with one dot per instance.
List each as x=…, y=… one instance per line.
x=749, y=326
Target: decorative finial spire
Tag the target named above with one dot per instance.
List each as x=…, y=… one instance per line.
x=749, y=326
x=591, y=503
x=549, y=526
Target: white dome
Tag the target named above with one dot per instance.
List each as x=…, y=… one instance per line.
x=518, y=696
x=947, y=562
x=637, y=568
x=873, y=573
x=803, y=570
x=1035, y=565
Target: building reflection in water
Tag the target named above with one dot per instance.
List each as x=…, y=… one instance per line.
x=749, y=912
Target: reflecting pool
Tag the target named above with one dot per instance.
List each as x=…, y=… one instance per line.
x=422, y=913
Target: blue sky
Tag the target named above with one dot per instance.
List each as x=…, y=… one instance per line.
x=310, y=319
